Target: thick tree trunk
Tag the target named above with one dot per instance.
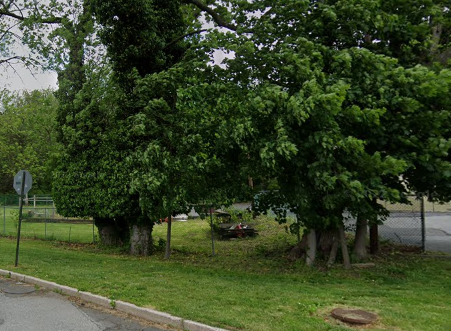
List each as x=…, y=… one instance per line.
x=141, y=240
x=123, y=230
x=311, y=248
x=359, y=251
x=108, y=233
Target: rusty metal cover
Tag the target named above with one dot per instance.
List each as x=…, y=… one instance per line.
x=354, y=316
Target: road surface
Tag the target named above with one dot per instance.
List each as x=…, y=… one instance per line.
x=25, y=308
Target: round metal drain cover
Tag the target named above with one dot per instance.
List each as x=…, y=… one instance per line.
x=18, y=289
x=354, y=316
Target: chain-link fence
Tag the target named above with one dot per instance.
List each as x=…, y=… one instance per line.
x=406, y=223
x=40, y=220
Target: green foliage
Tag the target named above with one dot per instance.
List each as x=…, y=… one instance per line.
x=311, y=99
x=28, y=138
x=139, y=35
x=327, y=99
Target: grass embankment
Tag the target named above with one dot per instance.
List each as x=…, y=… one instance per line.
x=249, y=284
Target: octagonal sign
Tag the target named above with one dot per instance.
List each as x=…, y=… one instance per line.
x=18, y=178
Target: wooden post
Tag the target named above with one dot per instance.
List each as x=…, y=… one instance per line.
x=212, y=233
x=374, y=239
x=167, y=255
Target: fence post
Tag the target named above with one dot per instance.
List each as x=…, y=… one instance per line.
x=423, y=226
x=45, y=223
x=212, y=233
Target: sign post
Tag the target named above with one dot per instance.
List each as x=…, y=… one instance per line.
x=22, y=184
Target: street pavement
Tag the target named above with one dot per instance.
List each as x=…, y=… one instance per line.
x=438, y=233
x=25, y=308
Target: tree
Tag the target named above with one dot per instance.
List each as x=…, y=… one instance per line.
x=172, y=165
x=318, y=100
x=28, y=138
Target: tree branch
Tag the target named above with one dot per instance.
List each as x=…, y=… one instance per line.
x=184, y=36
x=214, y=15
x=47, y=20
x=2, y=61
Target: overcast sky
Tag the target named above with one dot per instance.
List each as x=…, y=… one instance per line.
x=22, y=79
x=17, y=77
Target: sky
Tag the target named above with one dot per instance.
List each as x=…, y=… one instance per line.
x=22, y=79
x=17, y=77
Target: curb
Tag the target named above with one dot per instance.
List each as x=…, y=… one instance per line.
x=150, y=315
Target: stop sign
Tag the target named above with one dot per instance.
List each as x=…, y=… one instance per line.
x=19, y=178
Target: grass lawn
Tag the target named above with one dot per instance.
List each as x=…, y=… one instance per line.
x=46, y=227
x=249, y=284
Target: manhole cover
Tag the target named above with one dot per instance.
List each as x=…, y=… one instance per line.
x=354, y=316
x=18, y=289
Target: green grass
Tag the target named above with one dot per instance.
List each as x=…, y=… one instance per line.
x=249, y=284
x=62, y=231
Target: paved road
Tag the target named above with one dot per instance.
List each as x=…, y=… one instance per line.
x=23, y=308
x=438, y=233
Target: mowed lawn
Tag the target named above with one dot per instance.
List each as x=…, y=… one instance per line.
x=44, y=223
x=249, y=284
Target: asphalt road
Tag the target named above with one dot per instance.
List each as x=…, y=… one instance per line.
x=438, y=233
x=23, y=308
x=405, y=228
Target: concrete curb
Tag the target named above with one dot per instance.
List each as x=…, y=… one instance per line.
x=125, y=307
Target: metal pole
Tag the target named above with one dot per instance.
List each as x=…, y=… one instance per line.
x=212, y=234
x=423, y=226
x=20, y=217
x=4, y=219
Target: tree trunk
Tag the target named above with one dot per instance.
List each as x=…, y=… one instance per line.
x=141, y=240
x=344, y=248
x=333, y=250
x=167, y=255
x=359, y=251
x=108, y=233
x=311, y=248
x=374, y=239
x=123, y=230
